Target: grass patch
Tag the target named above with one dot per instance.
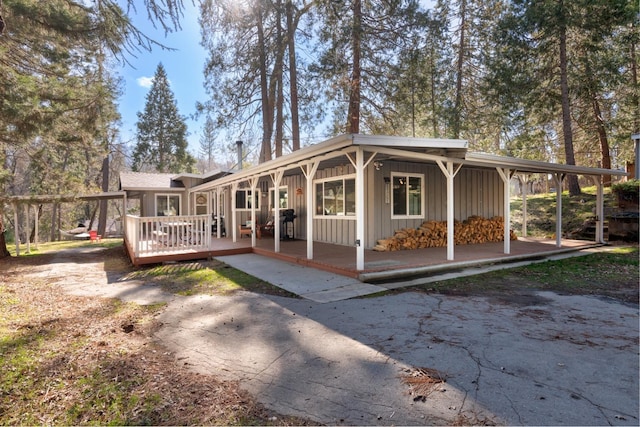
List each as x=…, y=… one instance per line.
x=541, y=211
x=207, y=277
x=50, y=247
x=612, y=273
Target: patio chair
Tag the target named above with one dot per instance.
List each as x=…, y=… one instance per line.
x=268, y=228
x=94, y=236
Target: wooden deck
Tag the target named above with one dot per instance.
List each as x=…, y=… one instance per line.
x=378, y=265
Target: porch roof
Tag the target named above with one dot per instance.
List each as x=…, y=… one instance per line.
x=401, y=148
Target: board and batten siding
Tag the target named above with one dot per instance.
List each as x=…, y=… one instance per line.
x=476, y=192
x=338, y=230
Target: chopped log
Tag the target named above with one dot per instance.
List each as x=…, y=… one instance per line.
x=473, y=230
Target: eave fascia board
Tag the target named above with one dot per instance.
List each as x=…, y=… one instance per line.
x=401, y=141
x=534, y=166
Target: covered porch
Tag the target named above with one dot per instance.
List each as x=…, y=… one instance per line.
x=144, y=248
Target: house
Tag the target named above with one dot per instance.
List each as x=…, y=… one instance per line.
x=349, y=191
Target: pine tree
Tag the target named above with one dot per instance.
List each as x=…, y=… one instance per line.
x=208, y=144
x=162, y=133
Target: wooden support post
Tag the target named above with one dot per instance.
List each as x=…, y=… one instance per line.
x=309, y=172
x=234, y=220
x=276, y=178
x=505, y=175
x=525, y=190
x=15, y=228
x=450, y=174
x=27, y=227
x=597, y=180
x=36, y=208
x=558, y=178
x=360, y=208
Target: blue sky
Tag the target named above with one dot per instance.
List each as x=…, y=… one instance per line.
x=183, y=66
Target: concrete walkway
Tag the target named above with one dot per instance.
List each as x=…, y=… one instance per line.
x=320, y=286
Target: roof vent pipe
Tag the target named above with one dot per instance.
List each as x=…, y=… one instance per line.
x=239, y=148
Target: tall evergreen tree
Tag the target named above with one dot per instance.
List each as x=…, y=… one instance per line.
x=161, y=131
x=208, y=144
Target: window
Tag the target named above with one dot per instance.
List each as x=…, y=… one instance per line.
x=283, y=198
x=243, y=200
x=167, y=204
x=407, y=195
x=336, y=197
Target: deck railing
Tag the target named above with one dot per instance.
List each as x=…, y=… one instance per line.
x=156, y=235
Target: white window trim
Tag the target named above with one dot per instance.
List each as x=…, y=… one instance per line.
x=348, y=217
x=246, y=199
x=272, y=202
x=155, y=201
x=422, y=195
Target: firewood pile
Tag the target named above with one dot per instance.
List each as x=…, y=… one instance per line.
x=432, y=234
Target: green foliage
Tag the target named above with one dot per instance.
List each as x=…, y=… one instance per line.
x=161, y=132
x=631, y=186
x=213, y=278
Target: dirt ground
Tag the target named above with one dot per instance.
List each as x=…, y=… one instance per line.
x=92, y=360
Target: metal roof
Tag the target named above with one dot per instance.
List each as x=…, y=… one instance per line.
x=397, y=148
x=534, y=166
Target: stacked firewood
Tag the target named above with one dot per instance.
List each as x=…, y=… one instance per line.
x=431, y=234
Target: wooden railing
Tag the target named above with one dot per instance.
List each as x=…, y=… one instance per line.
x=155, y=235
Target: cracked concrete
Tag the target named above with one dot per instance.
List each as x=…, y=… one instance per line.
x=545, y=359
x=568, y=360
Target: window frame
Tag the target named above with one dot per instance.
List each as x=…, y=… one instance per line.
x=247, y=206
x=345, y=214
x=272, y=206
x=167, y=196
x=408, y=175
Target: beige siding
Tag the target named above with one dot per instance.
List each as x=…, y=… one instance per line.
x=341, y=231
x=476, y=192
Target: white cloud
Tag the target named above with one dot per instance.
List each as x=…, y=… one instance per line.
x=145, y=81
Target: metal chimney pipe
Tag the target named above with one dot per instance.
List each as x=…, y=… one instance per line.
x=239, y=148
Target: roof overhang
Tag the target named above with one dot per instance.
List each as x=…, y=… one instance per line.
x=534, y=166
x=62, y=198
x=400, y=148
x=340, y=146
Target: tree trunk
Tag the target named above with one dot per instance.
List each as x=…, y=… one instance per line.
x=572, y=180
x=277, y=81
x=293, y=79
x=457, y=107
x=353, y=114
x=604, y=140
x=432, y=77
x=634, y=83
x=267, y=105
x=4, y=252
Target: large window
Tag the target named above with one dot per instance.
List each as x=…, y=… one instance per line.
x=407, y=195
x=283, y=198
x=167, y=204
x=243, y=200
x=336, y=197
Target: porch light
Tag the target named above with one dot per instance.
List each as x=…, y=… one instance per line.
x=377, y=165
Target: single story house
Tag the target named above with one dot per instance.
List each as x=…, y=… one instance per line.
x=351, y=190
